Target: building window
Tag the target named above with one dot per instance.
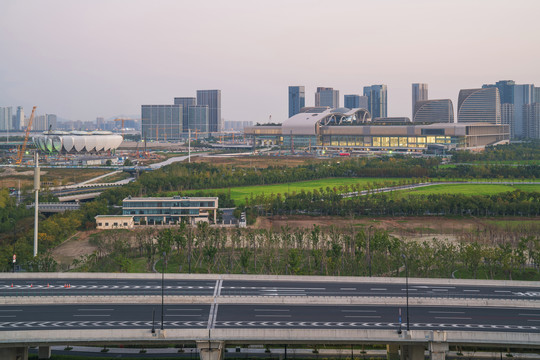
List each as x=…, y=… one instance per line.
x=106, y=224
x=99, y=224
x=125, y=224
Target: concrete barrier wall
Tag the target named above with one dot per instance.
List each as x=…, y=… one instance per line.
x=273, y=300
x=266, y=336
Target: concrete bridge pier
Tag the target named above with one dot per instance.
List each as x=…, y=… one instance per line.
x=438, y=350
x=44, y=353
x=14, y=353
x=392, y=352
x=211, y=350
x=412, y=352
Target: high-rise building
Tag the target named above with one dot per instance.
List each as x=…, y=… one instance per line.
x=479, y=105
x=161, y=122
x=506, y=90
x=537, y=95
x=377, y=100
x=198, y=118
x=297, y=99
x=432, y=111
x=6, y=118
x=51, y=121
x=185, y=102
x=18, y=123
x=523, y=95
x=356, y=102
x=507, y=114
x=100, y=123
x=211, y=98
x=419, y=93
x=326, y=96
x=531, y=117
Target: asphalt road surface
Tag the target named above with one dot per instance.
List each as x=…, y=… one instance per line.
x=126, y=287
x=33, y=317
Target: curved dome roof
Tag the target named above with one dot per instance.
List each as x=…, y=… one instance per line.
x=306, y=123
x=77, y=141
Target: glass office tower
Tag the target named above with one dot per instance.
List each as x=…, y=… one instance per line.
x=297, y=99
x=211, y=98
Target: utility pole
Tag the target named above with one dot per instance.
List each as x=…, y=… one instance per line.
x=189, y=145
x=36, y=203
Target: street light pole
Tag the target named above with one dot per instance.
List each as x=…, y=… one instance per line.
x=162, y=290
x=406, y=287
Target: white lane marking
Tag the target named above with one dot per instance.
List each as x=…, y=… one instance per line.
x=405, y=289
x=378, y=289
x=453, y=318
x=283, y=290
x=287, y=288
x=362, y=316
x=347, y=288
x=439, y=290
x=184, y=309
x=3, y=316
x=168, y=315
x=524, y=314
x=446, y=312
x=360, y=311
x=95, y=309
x=93, y=315
x=220, y=286
x=211, y=315
x=502, y=291
x=271, y=310
x=273, y=315
x=443, y=287
x=532, y=320
x=216, y=287
x=472, y=290
x=10, y=310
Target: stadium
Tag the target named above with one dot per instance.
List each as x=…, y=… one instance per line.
x=77, y=142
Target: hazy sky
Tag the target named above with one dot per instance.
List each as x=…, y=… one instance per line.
x=83, y=59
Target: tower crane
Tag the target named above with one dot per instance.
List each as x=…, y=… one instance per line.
x=22, y=149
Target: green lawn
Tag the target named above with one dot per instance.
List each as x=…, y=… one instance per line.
x=469, y=189
x=239, y=194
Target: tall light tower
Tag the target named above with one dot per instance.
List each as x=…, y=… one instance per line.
x=36, y=203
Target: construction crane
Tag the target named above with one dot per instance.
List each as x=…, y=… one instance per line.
x=22, y=149
x=123, y=128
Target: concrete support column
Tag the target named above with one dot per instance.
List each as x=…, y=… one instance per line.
x=14, y=353
x=44, y=352
x=392, y=352
x=438, y=350
x=412, y=352
x=211, y=350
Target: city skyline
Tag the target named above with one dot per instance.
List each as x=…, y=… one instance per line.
x=97, y=69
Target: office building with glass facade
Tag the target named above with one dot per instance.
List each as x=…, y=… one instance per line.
x=212, y=99
x=198, y=119
x=161, y=122
x=297, y=99
x=326, y=96
x=419, y=93
x=479, y=105
x=531, y=116
x=377, y=100
x=434, y=111
x=356, y=102
x=170, y=210
x=6, y=118
x=185, y=102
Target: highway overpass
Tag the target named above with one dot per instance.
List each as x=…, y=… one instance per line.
x=46, y=309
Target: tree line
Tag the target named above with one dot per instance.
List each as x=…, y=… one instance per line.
x=349, y=251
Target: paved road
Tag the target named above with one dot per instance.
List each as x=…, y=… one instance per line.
x=46, y=287
x=32, y=317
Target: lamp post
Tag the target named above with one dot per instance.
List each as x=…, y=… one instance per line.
x=14, y=240
x=369, y=249
x=162, y=290
x=406, y=287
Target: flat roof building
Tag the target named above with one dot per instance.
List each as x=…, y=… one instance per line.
x=419, y=93
x=170, y=210
x=162, y=122
x=326, y=96
x=211, y=98
x=297, y=99
x=377, y=100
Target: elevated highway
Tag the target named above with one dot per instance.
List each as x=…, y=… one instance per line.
x=214, y=310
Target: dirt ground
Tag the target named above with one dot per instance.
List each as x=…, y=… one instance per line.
x=259, y=161
x=73, y=248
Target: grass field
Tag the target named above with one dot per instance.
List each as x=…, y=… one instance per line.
x=239, y=194
x=469, y=189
